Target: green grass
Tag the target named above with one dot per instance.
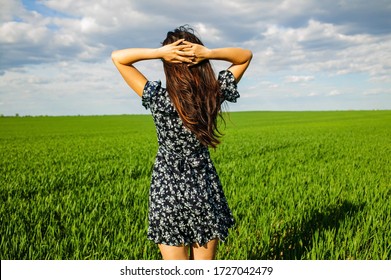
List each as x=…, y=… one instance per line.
x=301, y=185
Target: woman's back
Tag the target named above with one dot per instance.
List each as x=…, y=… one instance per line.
x=172, y=134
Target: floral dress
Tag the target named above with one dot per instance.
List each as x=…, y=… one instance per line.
x=186, y=200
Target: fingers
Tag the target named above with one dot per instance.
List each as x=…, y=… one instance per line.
x=186, y=53
x=181, y=58
x=184, y=44
x=183, y=52
x=181, y=44
x=176, y=43
x=188, y=43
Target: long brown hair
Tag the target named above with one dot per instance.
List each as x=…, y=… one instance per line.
x=194, y=91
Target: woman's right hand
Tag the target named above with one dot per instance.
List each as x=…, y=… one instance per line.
x=197, y=52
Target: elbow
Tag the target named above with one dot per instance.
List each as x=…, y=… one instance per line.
x=246, y=56
x=117, y=57
x=249, y=55
x=114, y=56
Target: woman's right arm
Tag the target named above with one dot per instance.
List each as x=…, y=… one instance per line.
x=240, y=58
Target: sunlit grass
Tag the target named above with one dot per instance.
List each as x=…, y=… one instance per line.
x=301, y=185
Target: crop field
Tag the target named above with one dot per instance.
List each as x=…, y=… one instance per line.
x=301, y=185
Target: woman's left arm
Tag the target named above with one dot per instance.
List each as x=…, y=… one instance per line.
x=124, y=60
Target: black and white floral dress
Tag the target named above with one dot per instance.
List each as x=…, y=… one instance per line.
x=186, y=201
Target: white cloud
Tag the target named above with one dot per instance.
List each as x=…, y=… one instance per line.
x=208, y=33
x=8, y=9
x=310, y=51
x=378, y=91
x=334, y=93
x=298, y=79
x=298, y=46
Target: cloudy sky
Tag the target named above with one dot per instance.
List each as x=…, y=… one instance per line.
x=308, y=55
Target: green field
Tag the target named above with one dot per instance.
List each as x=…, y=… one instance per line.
x=301, y=185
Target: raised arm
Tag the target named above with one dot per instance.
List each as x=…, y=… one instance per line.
x=124, y=60
x=240, y=58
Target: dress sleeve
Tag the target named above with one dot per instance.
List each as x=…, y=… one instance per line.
x=228, y=86
x=149, y=93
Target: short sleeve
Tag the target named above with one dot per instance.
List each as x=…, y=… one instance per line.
x=228, y=86
x=149, y=93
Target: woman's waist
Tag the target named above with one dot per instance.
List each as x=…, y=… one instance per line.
x=183, y=153
x=189, y=159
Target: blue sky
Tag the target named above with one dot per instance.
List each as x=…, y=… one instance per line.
x=308, y=55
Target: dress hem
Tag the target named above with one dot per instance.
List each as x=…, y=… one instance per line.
x=157, y=241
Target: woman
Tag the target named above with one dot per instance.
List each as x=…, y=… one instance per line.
x=187, y=207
